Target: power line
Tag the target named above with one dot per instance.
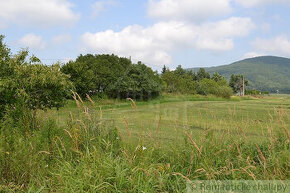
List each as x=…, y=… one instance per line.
x=68, y=59
x=55, y=59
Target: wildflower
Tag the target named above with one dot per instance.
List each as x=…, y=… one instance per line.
x=144, y=148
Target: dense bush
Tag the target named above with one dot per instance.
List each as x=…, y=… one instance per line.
x=138, y=82
x=27, y=81
x=186, y=85
x=206, y=87
x=175, y=82
x=223, y=91
x=219, y=89
x=256, y=92
x=39, y=86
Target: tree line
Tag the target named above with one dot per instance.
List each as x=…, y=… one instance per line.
x=25, y=81
x=117, y=77
x=112, y=76
x=189, y=82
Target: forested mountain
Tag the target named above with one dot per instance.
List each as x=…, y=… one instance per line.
x=266, y=73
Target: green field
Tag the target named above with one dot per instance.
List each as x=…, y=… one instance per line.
x=171, y=115
x=155, y=146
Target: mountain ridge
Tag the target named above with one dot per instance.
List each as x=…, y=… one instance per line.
x=266, y=73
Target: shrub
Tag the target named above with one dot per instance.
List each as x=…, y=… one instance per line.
x=256, y=92
x=207, y=86
x=26, y=81
x=178, y=81
x=223, y=91
x=219, y=89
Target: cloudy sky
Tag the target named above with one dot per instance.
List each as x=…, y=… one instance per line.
x=192, y=33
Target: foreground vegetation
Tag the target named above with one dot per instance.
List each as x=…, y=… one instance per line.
x=112, y=143
x=177, y=139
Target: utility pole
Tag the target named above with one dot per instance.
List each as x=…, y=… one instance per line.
x=243, y=85
x=240, y=84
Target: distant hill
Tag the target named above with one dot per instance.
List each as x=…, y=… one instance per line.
x=266, y=73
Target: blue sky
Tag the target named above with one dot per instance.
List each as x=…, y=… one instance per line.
x=192, y=33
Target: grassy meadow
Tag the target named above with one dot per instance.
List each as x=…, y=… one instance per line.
x=171, y=115
x=104, y=145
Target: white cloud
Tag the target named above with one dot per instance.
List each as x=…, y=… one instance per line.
x=132, y=41
x=278, y=45
x=189, y=10
x=100, y=6
x=153, y=44
x=62, y=38
x=252, y=3
x=218, y=36
x=32, y=41
x=37, y=12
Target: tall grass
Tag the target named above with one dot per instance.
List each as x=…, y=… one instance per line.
x=90, y=154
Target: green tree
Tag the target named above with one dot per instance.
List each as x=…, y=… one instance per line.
x=170, y=82
x=4, y=58
x=186, y=85
x=25, y=80
x=192, y=75
x=138, y=82
x=92, y=74
x=40, y=87
x=201, y=74
x=236, y=82
x=187, y=82
x=179, y=71
x=164, y=70
x=179, y=81
x=219, y=89
x=217, y=77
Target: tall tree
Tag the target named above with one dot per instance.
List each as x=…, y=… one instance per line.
x=164, y=70
x=180, y=71
x=236, y=83
x=138, y=82
x=5, y=57
x=93, y=74
x=217, y=77
x=201, y=74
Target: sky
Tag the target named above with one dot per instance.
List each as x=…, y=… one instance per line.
x=191, y=33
